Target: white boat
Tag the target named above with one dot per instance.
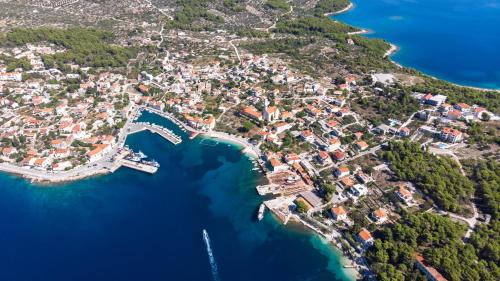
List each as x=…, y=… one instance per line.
x=262, y=209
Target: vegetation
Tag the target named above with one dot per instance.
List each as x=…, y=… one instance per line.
x=319, y=26
x=438, y=177
x=488, y=99
x=330, y=6
x=278, y=5
x=438, y=239
x=84, y=46
x=486, y=175
x=191, y=11
x=301, y=206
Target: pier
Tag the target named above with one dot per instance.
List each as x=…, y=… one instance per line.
x=139, y=166
x=164, y=132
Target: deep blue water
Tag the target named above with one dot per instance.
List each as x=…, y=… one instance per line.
x=134, y=226
x=455, y=40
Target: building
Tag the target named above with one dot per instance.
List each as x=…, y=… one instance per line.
x=342, y=172
x=359, y=190
x=430, y=272
x=324, y=158
x=307, y=135
x=450, y=135
x=339, y=213
x=333, y=144
x=338, y=155
x=251, y=113
x=380, y=215
x=361, y=145
x=99, y=151
x=436, y=100
x=365, y=237
x=404, y=132
x=277, y=165
x=311, y=198
x=271, y=113
x=404, y=194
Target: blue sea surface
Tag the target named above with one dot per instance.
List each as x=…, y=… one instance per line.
x=454, y=40
x=134, y=226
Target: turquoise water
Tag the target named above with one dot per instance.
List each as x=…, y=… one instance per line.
x=134, y=226
x=455, y=40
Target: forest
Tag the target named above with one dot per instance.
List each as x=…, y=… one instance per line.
x=439, y=240
x=82, y=46
x=437, y=177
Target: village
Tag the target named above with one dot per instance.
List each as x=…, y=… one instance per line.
x=317, y=150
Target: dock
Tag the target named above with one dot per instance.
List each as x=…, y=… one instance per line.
x=139, y=166
x=164, y=132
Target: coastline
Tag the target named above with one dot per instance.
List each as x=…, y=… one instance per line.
x=393, y=49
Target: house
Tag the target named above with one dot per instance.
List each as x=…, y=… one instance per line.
x=463, y=107
x=251, y=113
x=404, y=132
x=364, y=178
x=324, y=158
x=342, y=172
x=339, y=213
x=436, y=100
x=281, y=127
x=292, y=158
x=346, y=182
x=454, y=114
x=9, y=151
x=450, y=135
x=307, y=135
x=271, y=113
x=277, y=165
x=333, y=144
x=338, y=155
x=404, y=194
x=365, y=237
x=361, y=145
x=430, y=272
x=359, y=190
x=99, y=151
x=380, y=215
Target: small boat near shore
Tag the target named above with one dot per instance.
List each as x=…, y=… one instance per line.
x=262, y=209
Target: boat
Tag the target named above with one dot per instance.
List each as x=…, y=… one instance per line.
x=262, y=209
x=141, y=155
x=153, y=163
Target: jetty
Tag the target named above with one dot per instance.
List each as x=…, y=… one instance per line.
x=164, y=132
x=139, y=166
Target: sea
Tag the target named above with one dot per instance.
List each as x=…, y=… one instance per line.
x=134, y=226
x=454, y=40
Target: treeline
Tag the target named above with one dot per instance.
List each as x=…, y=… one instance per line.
x=438, y=177
x=319, y=26
x=330, y=6
x=455, y=94
x=439, y=240
x=84, y=46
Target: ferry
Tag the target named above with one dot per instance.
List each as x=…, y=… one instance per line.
x=262, y=209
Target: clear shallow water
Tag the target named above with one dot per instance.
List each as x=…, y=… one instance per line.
x=134, y=226
x=455, y=40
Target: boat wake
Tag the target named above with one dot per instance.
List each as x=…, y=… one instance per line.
x=211, y=258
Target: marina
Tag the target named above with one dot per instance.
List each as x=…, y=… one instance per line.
x=164, y=132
